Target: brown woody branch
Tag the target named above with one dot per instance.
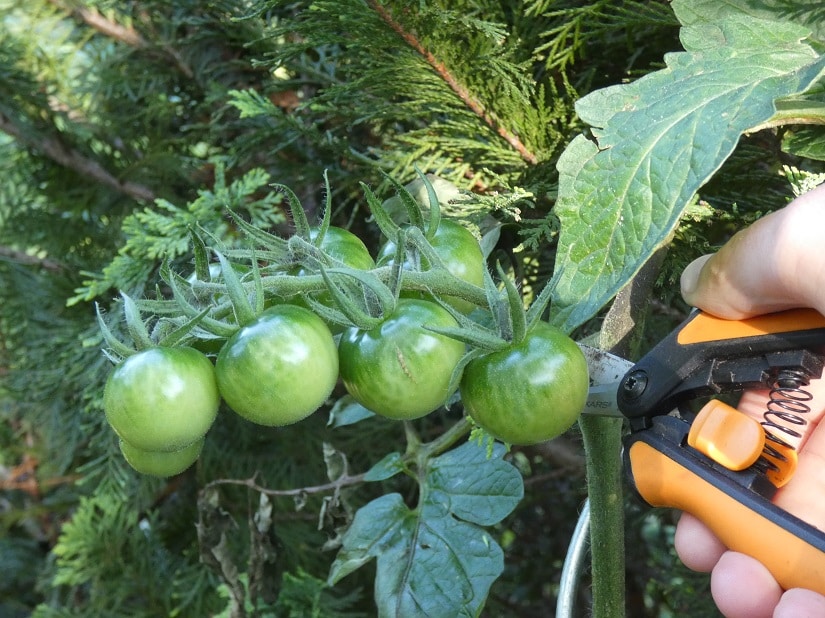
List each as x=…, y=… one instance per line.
x=29, y=260
x=469, y=100
x=72, y=159
x=116, y=31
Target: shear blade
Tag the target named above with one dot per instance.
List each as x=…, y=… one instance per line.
x=606, y=372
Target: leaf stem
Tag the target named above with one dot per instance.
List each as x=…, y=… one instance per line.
x=443, y=442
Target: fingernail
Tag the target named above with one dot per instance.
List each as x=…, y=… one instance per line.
x=690, y=277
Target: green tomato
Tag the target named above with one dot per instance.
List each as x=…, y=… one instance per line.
x=279, y=368
x=159, y=463
x=162, y=399
x=529, y=392
x=399, y=369
x=346, y=247
x=460, y=252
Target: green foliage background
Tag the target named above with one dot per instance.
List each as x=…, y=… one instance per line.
x=124, y=123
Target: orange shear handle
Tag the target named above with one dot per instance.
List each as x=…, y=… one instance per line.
x=667, y=475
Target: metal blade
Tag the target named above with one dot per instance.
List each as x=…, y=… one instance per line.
x=606, y=372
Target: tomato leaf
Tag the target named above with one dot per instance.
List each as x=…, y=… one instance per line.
x=656, y=141
x=436, y=560
x=388, y=467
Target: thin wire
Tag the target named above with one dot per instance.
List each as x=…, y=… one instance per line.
x=574, y=564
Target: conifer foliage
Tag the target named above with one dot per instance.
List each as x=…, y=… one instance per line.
x=132, y=134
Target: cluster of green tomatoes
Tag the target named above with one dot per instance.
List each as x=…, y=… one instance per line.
x=402, y=333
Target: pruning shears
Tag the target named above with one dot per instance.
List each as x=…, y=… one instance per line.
x=715, y=462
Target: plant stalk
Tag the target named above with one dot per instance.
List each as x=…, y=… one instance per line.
x=621, y=334
x=602, y=444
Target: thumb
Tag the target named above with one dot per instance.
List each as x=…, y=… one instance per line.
x=777, y=263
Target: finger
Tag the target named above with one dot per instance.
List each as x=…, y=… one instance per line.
x=698, y=548
x=799, y=603
x=803, y=494
x=775, y=264
x=743, y=588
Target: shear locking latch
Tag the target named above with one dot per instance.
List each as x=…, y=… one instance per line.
x=727, y=436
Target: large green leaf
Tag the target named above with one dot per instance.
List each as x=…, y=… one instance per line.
x=808, y=13
x=436, y=560
x=656, y=141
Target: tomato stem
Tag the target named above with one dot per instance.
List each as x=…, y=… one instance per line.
x=602, y=443
x=447, y=439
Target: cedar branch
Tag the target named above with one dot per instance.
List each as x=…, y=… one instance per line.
x=469, y=100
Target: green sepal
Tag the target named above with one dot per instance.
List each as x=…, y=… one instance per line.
x=395, y=281
x=410, y=203
x=200, y=255
x=299, y=217
x=330, y=315
x=173, y=280
x=325, y=220
x=362, y=319
x=135, y=325
x=158, y=306
x=118, y=347
x=174, y=337
x=498, y=308
x=477, y=337
x=422, y=244
x=304, y=251
x=491, y=291
x=244, y=313
x=274, y=244
x=258, y=308
x=515, y=307
x=388, y=227
x=435, y=206
x=539, y=305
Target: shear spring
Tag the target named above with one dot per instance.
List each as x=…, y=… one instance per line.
x=787, y=405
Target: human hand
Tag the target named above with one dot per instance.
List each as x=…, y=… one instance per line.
x=777, y=263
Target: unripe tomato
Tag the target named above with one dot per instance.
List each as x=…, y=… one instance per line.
x=279, y=368
x=345, y=246
x=529, y=392
x=460, y=252
x=399, y=369
x=158, y=463
x=162, y=399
